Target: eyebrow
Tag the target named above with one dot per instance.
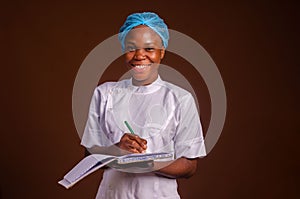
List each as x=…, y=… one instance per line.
x=151, y=44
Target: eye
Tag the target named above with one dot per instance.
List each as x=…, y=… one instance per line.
x=149, y=49
x=130, y=49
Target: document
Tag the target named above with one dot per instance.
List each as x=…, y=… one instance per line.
x=94, y=162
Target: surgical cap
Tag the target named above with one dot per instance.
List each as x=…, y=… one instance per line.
x=149, y=19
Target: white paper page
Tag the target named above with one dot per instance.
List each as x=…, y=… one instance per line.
x=86, y=166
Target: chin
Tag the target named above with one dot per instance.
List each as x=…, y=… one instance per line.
x=143, y=79
x=139, y=78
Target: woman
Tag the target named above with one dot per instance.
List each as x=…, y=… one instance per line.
x=163, y=116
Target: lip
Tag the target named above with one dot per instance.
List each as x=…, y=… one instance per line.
x=140, y=67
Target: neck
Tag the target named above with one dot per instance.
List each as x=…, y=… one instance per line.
x=136, y=82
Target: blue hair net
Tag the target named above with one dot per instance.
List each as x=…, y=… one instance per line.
x=149, y=19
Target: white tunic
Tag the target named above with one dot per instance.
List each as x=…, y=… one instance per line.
x=162, y=113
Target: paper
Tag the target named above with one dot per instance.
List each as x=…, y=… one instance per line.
x=127, y=163
x=85, y=167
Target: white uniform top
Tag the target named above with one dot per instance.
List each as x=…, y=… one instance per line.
x=162, y=113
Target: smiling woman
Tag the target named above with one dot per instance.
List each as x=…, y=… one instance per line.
x=144, y=51
x=164, y=117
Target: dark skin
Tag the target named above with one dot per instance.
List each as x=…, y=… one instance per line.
x=144, y=52
x=132, y=143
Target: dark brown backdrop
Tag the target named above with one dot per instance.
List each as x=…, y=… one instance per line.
x=253, y=44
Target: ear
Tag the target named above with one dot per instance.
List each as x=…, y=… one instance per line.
x=162, y=53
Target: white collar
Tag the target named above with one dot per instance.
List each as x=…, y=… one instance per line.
x=150, y=88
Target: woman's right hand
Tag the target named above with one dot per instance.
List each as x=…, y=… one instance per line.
x=132, y=143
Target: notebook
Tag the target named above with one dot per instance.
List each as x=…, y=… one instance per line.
x=94, y=162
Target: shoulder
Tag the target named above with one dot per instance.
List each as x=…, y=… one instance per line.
x=107, y=87
x=178, y=92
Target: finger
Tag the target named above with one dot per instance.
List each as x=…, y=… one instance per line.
x=124, y=143
x=129, y=141
x=142, y=142
x=134, y=150
x=133, y=144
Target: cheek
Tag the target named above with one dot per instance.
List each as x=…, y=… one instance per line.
x=155, y=57
x=128, y=57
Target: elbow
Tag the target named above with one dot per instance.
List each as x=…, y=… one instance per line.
x=191, y=172
x=192, y=168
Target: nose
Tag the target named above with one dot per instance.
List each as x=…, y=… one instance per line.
x=139, y=54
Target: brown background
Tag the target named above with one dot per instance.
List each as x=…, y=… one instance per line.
x=253, y=44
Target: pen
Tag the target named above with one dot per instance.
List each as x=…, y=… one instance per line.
x=129, y=128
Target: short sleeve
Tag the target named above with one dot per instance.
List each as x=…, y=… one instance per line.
x=94, y=134
x=188, y=140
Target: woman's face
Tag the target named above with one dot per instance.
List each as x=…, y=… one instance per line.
x=144, y=51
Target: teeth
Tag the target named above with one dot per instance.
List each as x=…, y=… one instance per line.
x=141, y=66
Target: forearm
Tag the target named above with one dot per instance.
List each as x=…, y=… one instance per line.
x=180, y=168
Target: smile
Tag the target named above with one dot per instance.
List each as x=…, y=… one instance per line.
x=141, y=66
